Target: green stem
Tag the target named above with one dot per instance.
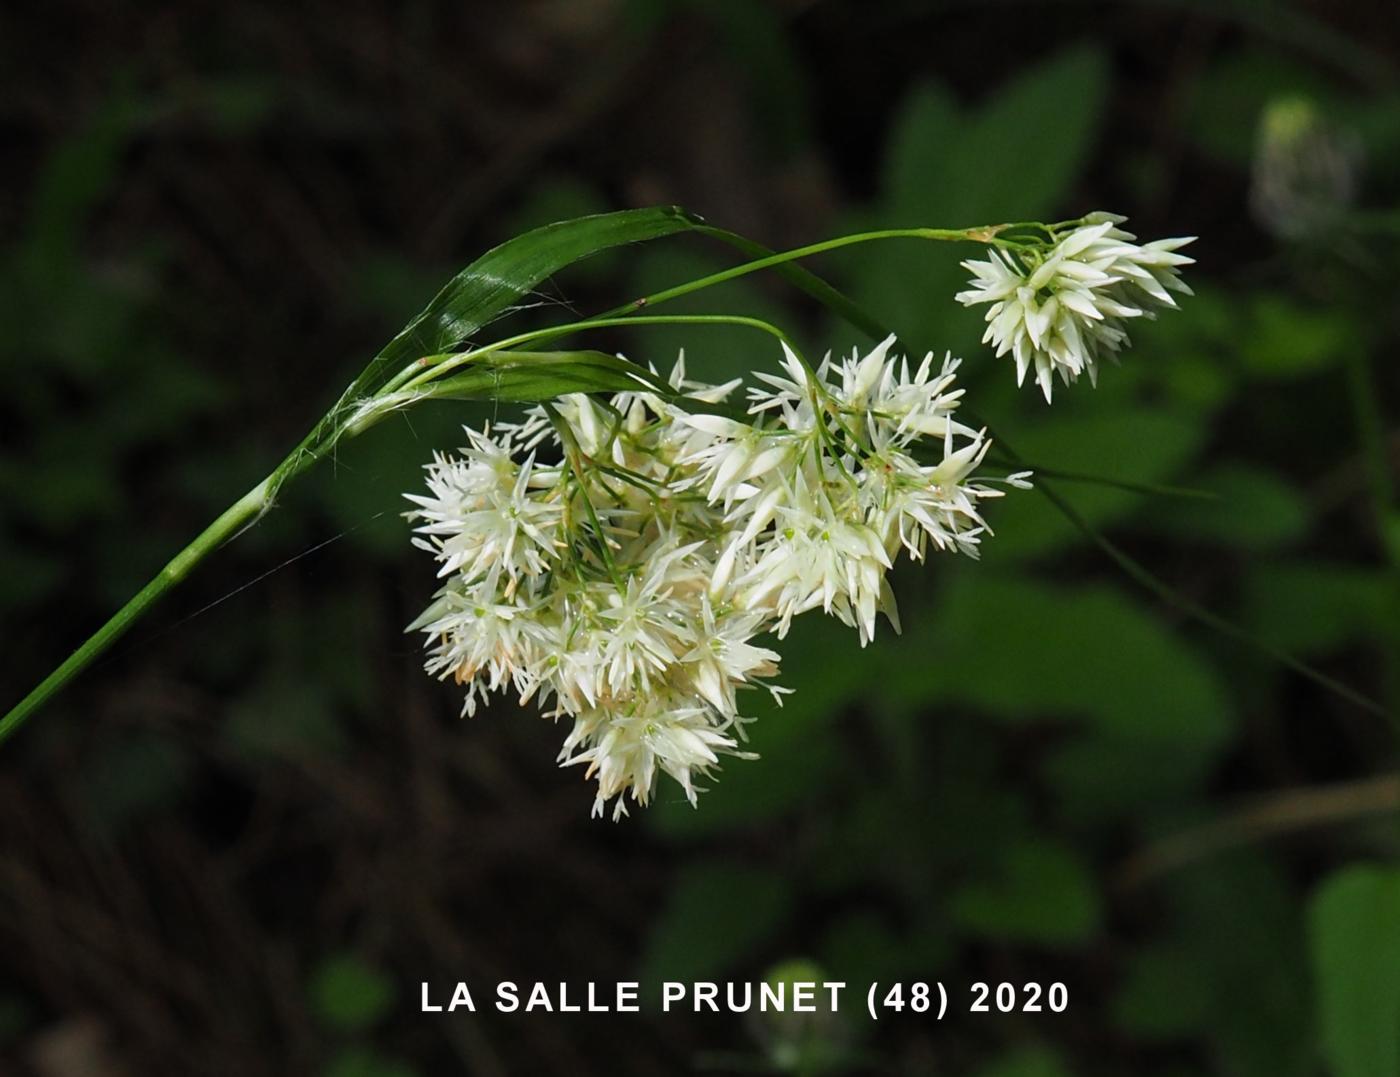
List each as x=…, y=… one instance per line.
x=241, y=514
x=234, y=519
x=774, y=260
x=432, y=367
x=573, y=454
x=1150, y=489
x=1136, y=571
x=801, y=278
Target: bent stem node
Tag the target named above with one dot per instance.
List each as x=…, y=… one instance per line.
x=234, y=519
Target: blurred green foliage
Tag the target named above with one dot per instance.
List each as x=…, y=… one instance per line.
x=350, y=994
x=1355, y=927
x=911, y=797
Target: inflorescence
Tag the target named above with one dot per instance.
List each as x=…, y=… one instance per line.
x=619, y=561
x=1063, y=307
x=616, y=561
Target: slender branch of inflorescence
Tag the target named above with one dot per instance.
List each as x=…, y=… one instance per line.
x=987, y=234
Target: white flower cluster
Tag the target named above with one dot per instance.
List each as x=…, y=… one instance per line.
x=617, y=560
x=1062, y=308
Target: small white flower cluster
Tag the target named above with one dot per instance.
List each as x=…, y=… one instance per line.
x=1063, y=307
x=623, y=582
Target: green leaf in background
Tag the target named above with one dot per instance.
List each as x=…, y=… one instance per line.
x=1082, y=651
x=1132, y=444
x=716, y=916
x=1039, y=892
x=1307, y=607
x=1011, y=158
x=919, y=827
x=757, y=42
x=1161, y=998
x=1046, y=118
x=1101, y=777
x=1227, y=99
x=76, y=175
x=349, y=993
x=1253, y=510
x=862, y=948
x=1375, y=119
x=1354, y=922
x=1027, y=1062
x=1283, y=339
x=1185, y=356
x=948, y=164
x=1236, y=954
x=916, y=159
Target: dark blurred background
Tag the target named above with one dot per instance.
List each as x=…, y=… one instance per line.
x=238, y=844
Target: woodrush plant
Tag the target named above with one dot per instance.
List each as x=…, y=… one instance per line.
x=617, y=553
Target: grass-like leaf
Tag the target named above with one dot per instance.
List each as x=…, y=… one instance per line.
x=492, y=284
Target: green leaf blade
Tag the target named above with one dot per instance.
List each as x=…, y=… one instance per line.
x=1355, y=921
x=487, y=288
